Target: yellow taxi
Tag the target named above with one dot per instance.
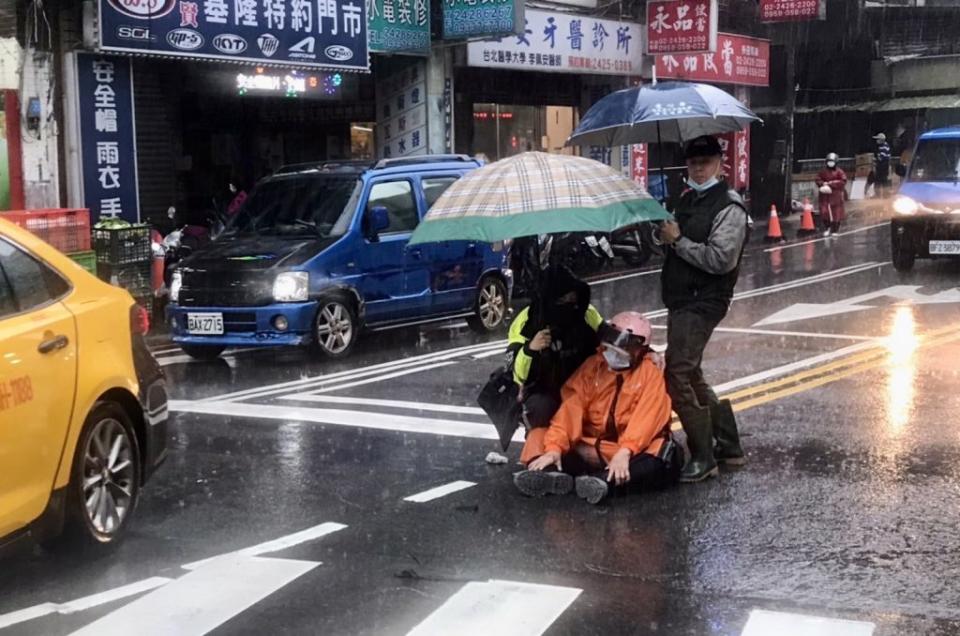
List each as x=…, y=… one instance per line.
x=83, y=404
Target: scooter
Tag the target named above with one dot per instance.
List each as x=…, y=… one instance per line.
x=636, y=244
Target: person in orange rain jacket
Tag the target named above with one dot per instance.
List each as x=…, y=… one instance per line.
x=613, y=426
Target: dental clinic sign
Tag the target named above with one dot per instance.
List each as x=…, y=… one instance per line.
x=559, y=42
x=107, y=137
x=330, y=34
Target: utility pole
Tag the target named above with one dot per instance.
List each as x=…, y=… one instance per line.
x=791, y=105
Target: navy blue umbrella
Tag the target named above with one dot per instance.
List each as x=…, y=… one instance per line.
x=667, y=111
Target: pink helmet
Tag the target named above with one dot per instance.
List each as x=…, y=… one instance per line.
x=634, y=324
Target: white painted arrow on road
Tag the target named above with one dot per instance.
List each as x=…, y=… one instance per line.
x=909, y=294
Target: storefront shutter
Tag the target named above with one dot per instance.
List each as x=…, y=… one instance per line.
x=157, y=131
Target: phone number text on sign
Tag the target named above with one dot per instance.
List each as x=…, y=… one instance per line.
x=790, y=10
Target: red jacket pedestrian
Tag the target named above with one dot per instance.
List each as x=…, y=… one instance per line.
x=832, y=211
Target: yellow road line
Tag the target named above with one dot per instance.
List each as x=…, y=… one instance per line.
x=876, y=354
x=826, y=373
x=865, y=365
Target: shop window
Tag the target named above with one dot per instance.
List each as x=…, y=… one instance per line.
x=433, y=188
x=397, y=198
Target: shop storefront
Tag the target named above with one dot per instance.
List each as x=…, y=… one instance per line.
x=182, y=99
x=202, y=126
x=528, y=91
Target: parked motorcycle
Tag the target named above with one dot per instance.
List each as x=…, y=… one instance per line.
x=636, y=244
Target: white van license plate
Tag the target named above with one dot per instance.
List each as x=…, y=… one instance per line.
x=205, y=324
x=945, y=247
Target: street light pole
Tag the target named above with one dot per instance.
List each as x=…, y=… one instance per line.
x=790, y=109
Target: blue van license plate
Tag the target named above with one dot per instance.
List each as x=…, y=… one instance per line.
x=205, y=324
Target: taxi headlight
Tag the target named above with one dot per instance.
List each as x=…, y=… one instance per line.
x=291, y=287
x=905, y=206
x=176, y=282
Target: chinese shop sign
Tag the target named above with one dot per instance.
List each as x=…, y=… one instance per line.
x=564, y=43
x=319, y=33
x=400, y=26
x=475, y=18
x=402, y=112
x=681, y=26
x=737, y=60
x=107, y=137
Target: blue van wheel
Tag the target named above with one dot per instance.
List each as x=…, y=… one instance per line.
x=490, y=309
x=335, y=328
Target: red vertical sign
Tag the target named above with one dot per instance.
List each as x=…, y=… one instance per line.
x=638, y=164
x=736, y=158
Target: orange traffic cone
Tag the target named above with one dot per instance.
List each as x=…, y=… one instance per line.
x=776, y=260
x=809, y=250
x=807, y=227
x=774, y=233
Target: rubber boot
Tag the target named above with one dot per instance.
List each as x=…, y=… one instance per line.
x=728, y=450
x=699, y=429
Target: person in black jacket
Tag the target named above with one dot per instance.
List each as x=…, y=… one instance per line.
x=700, y=271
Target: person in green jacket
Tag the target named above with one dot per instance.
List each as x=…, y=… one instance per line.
x=549, y=340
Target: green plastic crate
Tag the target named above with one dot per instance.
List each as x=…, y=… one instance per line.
x=87, y=260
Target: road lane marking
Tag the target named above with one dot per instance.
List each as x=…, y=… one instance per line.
x=336, y=417
x=399, y=404
x=275, y=545
x=832, y=372
x=202, y=600
x=498, y=607
x=444, y=354
x=903, y=293
x=764, y=623
x=795, y=334
x=613, y=279
x=819, y=240
x=77, y=605
x=439, y=491
x=488, y=354
x=388, y=376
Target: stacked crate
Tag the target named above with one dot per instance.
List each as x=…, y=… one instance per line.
x=124, y=259
x=65, y=229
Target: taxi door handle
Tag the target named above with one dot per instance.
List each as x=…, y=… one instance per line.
x=53, y=344
x=416, y=253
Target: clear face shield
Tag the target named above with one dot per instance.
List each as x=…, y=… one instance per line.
x=621, y=347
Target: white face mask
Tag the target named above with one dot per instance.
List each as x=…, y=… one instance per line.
x=703, y=187
x=831, y=164
x=617, y=359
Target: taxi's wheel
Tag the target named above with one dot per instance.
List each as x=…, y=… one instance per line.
x=335, y=329
x=105, y=483
x=491, y=306
x=203, y=352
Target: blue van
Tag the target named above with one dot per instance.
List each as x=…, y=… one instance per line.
x=319, y=252
x=926, y=221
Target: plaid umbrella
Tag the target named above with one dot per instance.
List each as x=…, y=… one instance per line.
x=537, y=193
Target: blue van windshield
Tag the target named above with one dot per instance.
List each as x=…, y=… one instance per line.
x=936, y=160
x=298, y=206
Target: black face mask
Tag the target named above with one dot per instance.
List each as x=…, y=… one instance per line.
x=565, y=315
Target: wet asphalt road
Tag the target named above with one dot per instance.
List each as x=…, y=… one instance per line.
x=847, y=508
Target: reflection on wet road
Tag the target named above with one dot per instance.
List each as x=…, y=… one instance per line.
x=352, y=497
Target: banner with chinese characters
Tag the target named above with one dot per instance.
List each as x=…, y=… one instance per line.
x=564, y=43
x=681, y=26
x=108, y=151
x=329, y=34
x=737, y=60
x=402, y=112
x=736, y=158
x=478, y=18
x=792, y=10
x=639, y=168
x=400, y=26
